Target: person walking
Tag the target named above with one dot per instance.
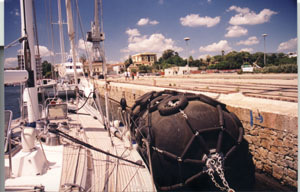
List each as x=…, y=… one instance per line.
x=125, y=75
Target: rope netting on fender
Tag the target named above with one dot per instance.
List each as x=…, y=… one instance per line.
x=194, y=142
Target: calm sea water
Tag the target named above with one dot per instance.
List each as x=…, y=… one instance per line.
x=11, y=100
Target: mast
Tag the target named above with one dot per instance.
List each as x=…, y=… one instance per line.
x=71, y=34
x=61, y=33
x=104, y=69
x=27, y=30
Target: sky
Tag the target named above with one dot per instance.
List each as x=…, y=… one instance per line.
x=135, y=26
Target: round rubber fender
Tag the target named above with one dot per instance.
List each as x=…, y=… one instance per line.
x=155, y=102
x=123, y=103
x=211, y=101
x=157, y=94
x=142, y=98
x=192, y=97
x=170, y=92
x=236, y=119
x=165, y=109
x=136, y=110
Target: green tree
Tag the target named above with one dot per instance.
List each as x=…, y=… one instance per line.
x=145, y=69
x=46, y=69
x=169, y=58
x=128, y=62
x=168, y=54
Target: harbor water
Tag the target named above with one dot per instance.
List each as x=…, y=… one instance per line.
x=12, y=100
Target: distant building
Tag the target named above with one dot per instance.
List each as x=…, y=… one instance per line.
x=147, y=59
x=38, y=63
x=39, y=67
x=117, y=68
x=96, y=68
x=292, y=54
x=144, y=59
x=179, y=70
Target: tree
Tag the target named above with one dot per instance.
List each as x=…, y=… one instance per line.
x=128, y=62
x=145, y=69
x=133, y=70
x=168, y=54
x=46, y=69
x=208, y=58
x=169, y=58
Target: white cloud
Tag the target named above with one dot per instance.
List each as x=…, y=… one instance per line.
x=161, y=2
x=290, y=45
x=250, y=41
x=238, y=9
x=83, y=46
x=156, y=43
x=146, y=21
x=194, y=20
x=143, y=21
x=133, y=32
x=250, y=50
x=44, y=51
x=11, y=62
x=236, y=31
x=247, y=17
x=216, y=47
x=154, y=22
x=208, y=1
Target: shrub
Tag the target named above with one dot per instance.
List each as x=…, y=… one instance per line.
x=287, y=68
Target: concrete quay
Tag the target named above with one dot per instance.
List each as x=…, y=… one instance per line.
x=271, y=124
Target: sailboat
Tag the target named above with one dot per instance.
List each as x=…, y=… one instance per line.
x=67, y=145
x=167, y=140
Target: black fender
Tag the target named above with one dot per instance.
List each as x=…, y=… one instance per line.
x=165, y=109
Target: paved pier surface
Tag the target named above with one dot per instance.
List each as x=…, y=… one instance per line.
x=269, y=86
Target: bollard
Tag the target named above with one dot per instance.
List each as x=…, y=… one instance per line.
x=154, y=82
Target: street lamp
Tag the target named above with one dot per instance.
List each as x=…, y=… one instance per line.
x=187, y=53
x=264, y=35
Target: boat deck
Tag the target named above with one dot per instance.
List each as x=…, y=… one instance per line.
x=73, y=167
x=95, y=171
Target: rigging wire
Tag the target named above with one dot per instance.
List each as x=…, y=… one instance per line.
x=52, y=36
x=47, y=22
x=73, y=139
x=15, y=42
x=37, y=42
x=82, y=33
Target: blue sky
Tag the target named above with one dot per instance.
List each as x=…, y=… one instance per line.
x=133, y=26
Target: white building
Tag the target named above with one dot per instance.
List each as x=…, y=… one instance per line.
x=179, y=70
x=144, y=59
x=118, y=68
x=292, y=54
